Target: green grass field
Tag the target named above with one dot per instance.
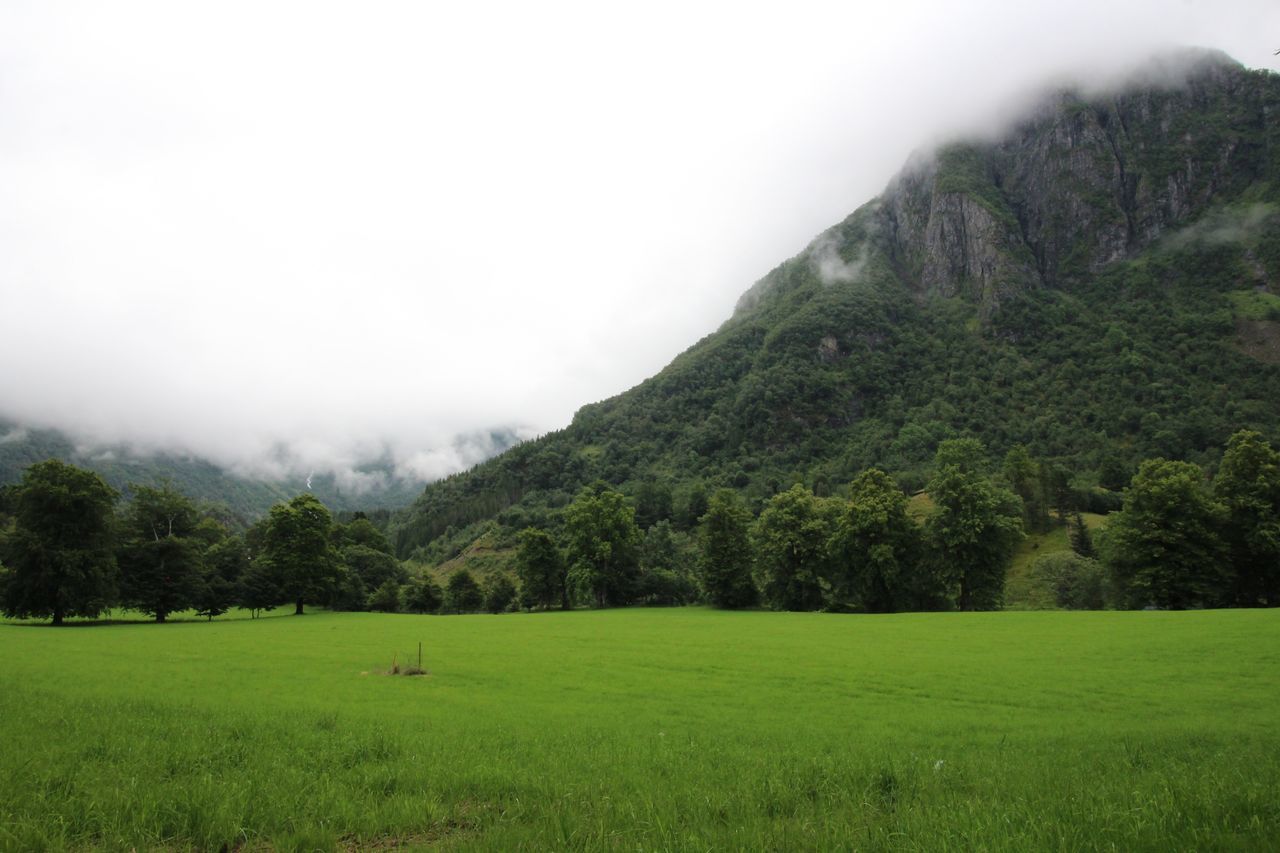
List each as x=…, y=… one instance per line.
x=647, y=729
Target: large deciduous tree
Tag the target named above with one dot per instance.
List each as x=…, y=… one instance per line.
x=973, y=528
x=160, y=557
x=462, y=593
x=225, y=565
x=1248, y=486
x=725, y=560
x=604, y=546
x=59, y=559
x=1163, y=546
x=875, y=548
x=790, y=539
x=296, y=546
x=541, y=570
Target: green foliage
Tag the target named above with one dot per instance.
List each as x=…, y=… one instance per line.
x=667, y=567
x=1163, y=548
x=362, y=532
x=1255, y=304
x=725, y=562
x=1248, y=487
x=386, y=598
x=603, y=546
x=1075, y=582
x=790, y=544
x=422, y=595
x=374, y=567
x=161, y=557
x=876, y=549
x=462, y=594
x=541, y=569
x=226, y=563
x=1080, y=538
x=973, y=528
x=693, y=505
x=654, y=503
x=58, y=561
x=296, y=547
x=500, y=594
x=1034, y=483
x=259, y=588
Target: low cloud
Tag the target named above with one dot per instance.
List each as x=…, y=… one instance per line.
x=1227, y=225
x=14, y=435
x=825, y=255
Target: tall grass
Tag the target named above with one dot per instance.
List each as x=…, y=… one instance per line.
x=646, y=729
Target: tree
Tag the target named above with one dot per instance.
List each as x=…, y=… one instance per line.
x=1248, y=486
x=541, y=569
x=1079, y=537
x=1028, y=481
x=499, y=594
x=373, y=567
x=160, y=560
x=603, y=545
x=386, y=598
x=259, y=588
x=59, y=559
x=296, y=546
x=1076, y=582
x=225, y=564
x=790, y=540
x=1163, y=547
x=725, y=561
x=462, y=594
x=422, y=595
x=361, y=531
x=973, y=528
x=875, y=548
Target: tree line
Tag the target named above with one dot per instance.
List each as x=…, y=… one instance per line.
x=65, y=551
x=1177, y=541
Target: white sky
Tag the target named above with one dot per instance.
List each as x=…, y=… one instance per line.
x=296, y=233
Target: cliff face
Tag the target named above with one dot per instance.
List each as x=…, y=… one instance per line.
x=1083, y=181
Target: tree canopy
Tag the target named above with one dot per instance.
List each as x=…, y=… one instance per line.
x=1163, y=546
x=296, y=546
x=59, y=560
x=603, y=544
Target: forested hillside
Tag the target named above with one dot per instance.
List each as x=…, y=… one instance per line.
x=1100, y=283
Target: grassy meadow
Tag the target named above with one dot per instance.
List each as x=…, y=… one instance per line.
x=646, y=729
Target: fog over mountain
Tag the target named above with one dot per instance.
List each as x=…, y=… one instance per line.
x=297, y=237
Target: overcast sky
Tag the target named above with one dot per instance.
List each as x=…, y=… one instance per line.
x=293, y=234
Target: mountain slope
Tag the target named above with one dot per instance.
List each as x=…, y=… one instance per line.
x=1098, y=283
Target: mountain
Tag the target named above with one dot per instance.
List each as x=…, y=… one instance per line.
x=1097, y=282
x=245, y=496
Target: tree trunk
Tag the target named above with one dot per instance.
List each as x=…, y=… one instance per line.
x=57, y=617
x=160, y=616
x=298, y=611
